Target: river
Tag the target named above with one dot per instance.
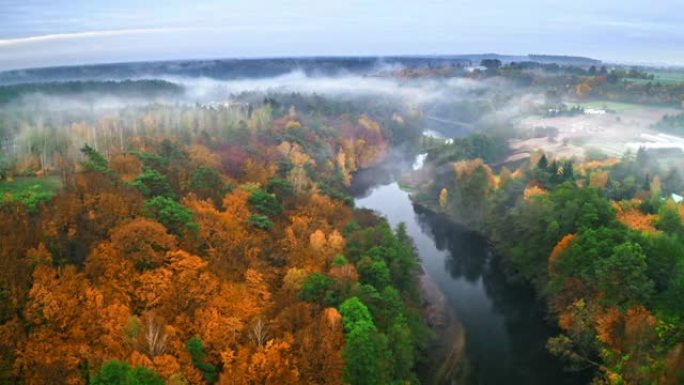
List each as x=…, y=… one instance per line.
x=504, y=324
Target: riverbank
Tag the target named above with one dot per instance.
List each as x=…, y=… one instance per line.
x=447, y=362
x=502, y=330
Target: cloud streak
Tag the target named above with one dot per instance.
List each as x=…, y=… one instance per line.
x=37, y=33
x=85, y=34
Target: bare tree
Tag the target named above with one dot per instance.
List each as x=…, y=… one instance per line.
x=155, y=337
x=259, y=332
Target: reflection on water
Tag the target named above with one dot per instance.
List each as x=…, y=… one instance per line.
x=505, y=329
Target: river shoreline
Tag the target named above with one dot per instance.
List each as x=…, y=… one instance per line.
x=446, y=362
x=501, y=327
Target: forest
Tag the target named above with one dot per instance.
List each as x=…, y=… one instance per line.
x=601, y=241
x=190, y=230
x=188, y=244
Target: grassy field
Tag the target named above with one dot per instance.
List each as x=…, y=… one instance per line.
x=663, y=78
x=669, y=77
x=607, y=105
x=30, y=191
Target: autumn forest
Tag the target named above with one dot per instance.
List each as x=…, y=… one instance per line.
x=206, y=229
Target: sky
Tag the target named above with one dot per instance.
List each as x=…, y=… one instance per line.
x=41, y=33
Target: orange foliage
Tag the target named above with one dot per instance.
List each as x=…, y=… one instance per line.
x=598, y=178
x=142, y=241
x=90, y=279
x=127, y=166
x=465, y=168
x=258, y=172
x=533, y=191
x=561, y=246
x=636, y=220
x=200, y=155
x=582, y=168
x=606, y=324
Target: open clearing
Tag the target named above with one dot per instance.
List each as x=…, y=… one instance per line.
x=662, y=77
x=627, y=126
x=607, y=105
x=29, y=190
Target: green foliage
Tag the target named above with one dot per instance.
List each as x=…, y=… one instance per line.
x=114, y=372
x=486, y=147
x=96, y=162
x=374, y=272
x=395, y=249
x=663, y=253
x=389, y=306
x=468, y=196
x=400, y=343
x=340, y=260
x=319, y=288
x=281, y=187
x=669, y=303
x=207, y=183
x=195, y=347
x=264, y=203
x=170, y=151
x=354, y=312
x=528, y=232
x=152, y=184
x=176, y=217
x=29, y=191
x=365, y=349
x=260, y=221
x=622, y=275
x=153, y=161
x=669, y=219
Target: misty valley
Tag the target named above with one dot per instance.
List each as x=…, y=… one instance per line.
x=468, y=219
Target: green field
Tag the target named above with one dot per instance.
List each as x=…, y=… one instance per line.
x=662, y=77
x=30, y=191
x=669, y=77
x=606, y=105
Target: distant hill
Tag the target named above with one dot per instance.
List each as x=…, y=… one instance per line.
x=255, y=68
x=126, y=88
x=568, y=60
x=222, y=69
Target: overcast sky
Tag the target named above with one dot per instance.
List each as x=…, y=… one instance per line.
x=38, y=33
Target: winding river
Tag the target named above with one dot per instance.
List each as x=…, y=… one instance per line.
x=504, y=325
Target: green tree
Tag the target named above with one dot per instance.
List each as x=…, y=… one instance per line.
x=195, y=347
x=115, y=372
x=207, y=183
x=264, y=203
x=319, y=288
x=622, y=275
x=281, y=187
x=365, y=351
x=260, y=221
x=151, y=183
x=669, y=219
x=96, y=162
x=400, y=342
x=173, y=215
x=374, y=272
x=354, y=312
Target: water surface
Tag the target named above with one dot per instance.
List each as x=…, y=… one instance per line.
x=504, y=324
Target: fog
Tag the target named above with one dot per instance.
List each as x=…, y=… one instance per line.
x=442, y=107
x=450, y=104
x=344, y=86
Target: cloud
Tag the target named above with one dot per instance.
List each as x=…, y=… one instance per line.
x=85, y=34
